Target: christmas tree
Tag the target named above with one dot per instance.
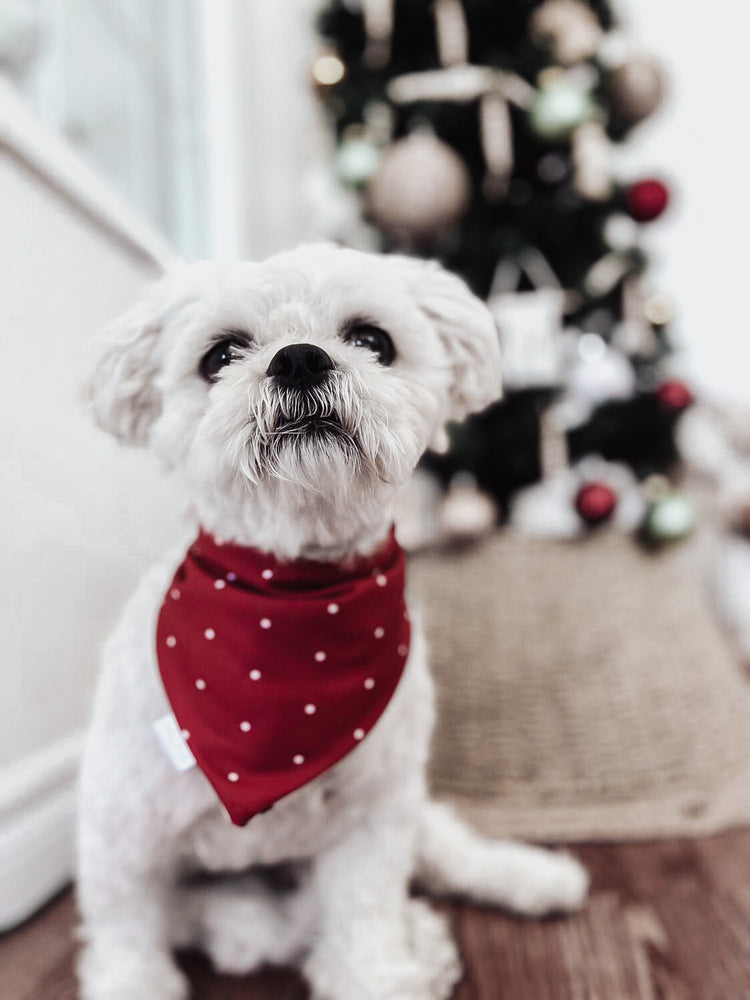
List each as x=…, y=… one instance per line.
x=481, y=133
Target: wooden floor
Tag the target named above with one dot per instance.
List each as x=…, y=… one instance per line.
x=666, y=921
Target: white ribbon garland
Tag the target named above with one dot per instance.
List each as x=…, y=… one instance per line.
x=462, y=82
x=378, y=17
x=591, y=155
x=452, y=32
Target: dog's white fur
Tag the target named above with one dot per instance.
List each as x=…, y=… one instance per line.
x=362, y=831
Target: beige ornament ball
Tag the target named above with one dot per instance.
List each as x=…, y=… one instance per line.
x=466, y=513
x=636, y=88
x=421, y=189
x=570, y=28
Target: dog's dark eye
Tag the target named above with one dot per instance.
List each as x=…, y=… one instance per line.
x=223, y=353
x=374, y=339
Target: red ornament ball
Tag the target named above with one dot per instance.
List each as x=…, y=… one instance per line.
x=646, y=200
x=595, y=502
x=674, y=395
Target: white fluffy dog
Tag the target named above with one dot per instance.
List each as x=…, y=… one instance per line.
x=293, y=397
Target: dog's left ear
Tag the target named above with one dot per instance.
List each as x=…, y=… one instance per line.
x=468, y=334
x=121, y=388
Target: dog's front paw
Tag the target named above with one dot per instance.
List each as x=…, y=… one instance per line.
x=124, y=975
x=433, y=946
x=550, y=883
x=368, y=976
x=241, y=935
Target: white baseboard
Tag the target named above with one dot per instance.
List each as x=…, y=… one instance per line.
x=37, y=827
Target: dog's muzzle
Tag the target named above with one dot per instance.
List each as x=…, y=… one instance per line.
x=302, y=373
x=300, y=366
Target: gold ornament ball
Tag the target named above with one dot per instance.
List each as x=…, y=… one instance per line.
x=421, y=189
x=656, y=487
x=328, y=70
x=636, y=88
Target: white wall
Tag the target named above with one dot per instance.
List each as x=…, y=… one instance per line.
x=268, y=152
x=78, y=517
x=700, y=140
x=120, y=80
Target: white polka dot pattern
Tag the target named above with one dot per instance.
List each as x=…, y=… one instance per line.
x=278, y=670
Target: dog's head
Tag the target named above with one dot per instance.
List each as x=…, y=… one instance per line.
x=303, y=389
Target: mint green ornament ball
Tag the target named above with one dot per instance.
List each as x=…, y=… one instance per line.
x=357, y=161
x=669, y=519
x=559, y=108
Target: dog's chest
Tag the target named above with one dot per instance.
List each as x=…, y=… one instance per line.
x=367, y=781
x=299, y=826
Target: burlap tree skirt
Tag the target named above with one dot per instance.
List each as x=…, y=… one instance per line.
x=585, y=691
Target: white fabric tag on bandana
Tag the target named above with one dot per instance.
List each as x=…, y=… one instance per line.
x=173, y=742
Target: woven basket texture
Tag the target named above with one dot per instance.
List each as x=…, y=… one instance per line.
x=585, y=691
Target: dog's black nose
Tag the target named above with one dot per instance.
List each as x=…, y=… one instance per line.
x=300, y=365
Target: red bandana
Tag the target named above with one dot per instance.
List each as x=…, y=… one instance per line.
x=275, y=671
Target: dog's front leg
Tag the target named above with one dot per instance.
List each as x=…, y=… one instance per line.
x=125, y=954
x=366, y=947
x=123, y=892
